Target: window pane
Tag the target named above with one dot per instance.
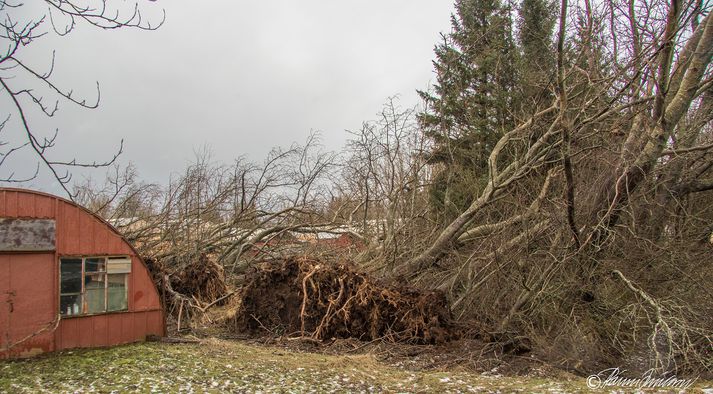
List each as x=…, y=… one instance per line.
x=95, y=264
x=94, y=300
x=71, y=275
x=117, y=292
x=69, y=304
x=94, y=292
x=94, y=281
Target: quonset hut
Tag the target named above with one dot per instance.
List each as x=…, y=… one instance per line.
x=68, y=279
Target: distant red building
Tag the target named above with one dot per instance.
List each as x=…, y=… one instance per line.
x=68, y=279
x=342, y=241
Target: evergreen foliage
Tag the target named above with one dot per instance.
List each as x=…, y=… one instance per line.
x=479, y=92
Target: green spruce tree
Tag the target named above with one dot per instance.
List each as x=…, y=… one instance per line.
x=537, y=61
x=473, y=101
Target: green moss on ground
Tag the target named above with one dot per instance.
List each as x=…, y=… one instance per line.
x=216, y=366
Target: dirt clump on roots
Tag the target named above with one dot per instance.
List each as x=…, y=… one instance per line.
x=201, y=278
x=324, y=300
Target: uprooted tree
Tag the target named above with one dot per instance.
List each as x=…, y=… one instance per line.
x=582, y=227
x=594, y=220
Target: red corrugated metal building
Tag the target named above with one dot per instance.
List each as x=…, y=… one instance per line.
x=68, y=279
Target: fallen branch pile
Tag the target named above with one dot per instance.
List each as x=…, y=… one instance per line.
x=323, y=300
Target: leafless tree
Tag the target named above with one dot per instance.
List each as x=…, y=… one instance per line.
x=31, y=91
x=384, y=183
x=233, y=212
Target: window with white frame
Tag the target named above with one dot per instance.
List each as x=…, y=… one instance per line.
x=92, y=285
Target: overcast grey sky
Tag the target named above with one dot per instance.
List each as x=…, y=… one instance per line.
x=240, y=77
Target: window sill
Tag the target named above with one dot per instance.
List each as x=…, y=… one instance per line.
x=94, y=314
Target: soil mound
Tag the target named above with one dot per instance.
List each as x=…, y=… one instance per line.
x=323, y=300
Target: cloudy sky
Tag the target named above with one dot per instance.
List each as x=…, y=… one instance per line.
x=238, y=77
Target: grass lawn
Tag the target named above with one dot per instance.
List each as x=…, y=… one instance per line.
x=226, y=366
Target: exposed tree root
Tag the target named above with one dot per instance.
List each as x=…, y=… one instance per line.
x=324, y=300
x=202, y=279
x=197, y=285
